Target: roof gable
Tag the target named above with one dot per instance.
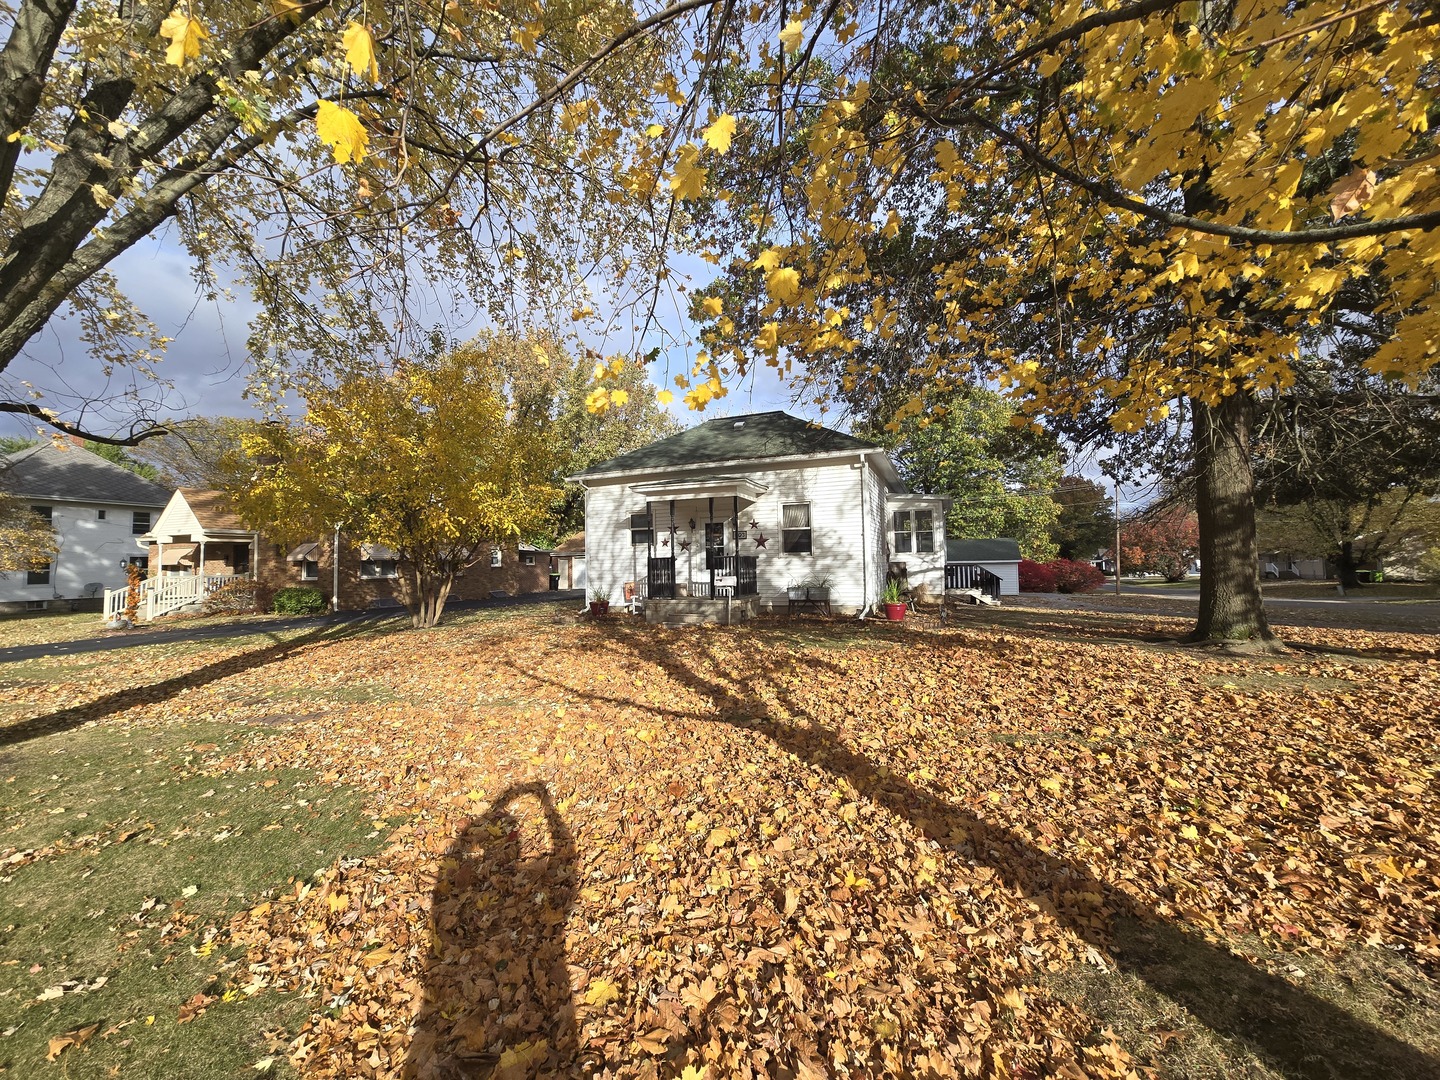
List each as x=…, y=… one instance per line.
x=733, y=438
x=69, y=473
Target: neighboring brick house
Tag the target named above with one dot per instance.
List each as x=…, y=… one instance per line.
x=199, y=527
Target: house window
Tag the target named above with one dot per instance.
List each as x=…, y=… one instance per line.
x=494, y=556
x=795, y=528
x=714, y=545
x=528, y=558
x=379, y=568
x=99, y=515
x=640, y=528
x=904, y=534
x=924, y=530
x=142, y=561
x=309, y=570
x=40, y=576
x=139, y=522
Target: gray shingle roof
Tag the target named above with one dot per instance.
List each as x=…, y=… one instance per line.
x=982, y=551
x=68, y=473
x=734, y=438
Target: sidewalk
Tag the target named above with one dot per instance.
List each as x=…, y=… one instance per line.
x=107, y=640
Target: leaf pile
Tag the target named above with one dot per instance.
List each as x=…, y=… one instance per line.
x=820, y=849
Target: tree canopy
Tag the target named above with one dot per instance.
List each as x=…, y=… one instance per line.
x=436, y=459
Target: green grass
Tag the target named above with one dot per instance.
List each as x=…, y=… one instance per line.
x=122, y=824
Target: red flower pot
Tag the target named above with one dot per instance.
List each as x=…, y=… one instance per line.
x=599, y=607
x=895, y=612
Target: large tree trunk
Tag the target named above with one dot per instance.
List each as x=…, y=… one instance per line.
x=1348, y=566
x=1230, y=605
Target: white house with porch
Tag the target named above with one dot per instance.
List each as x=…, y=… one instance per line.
x=757, y=512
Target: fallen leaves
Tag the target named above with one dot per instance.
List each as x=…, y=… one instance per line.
x=60, y=1043
x=781, y=874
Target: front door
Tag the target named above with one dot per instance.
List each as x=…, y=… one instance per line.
x=714, y=544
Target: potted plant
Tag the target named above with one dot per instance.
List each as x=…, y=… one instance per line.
x=894, y=600
x=817, y=589
x=600, y=602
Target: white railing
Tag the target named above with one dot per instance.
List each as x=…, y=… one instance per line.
x=162, y=595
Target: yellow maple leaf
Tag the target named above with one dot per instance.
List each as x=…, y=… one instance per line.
x=654, y=131
x=1049, y=66
x=718, y=135
x=712, y=305
x=287, y=9
x=664, y=397
x=688, y=181
x=695, y=1072
x=1051, y=784
x=185, y=35
x=769, y=259
x=601, y=992
x=1189, y=832
x=783, y=283
x=791, y=36
x=527, y=36
x=360, y=51
x=341, y=130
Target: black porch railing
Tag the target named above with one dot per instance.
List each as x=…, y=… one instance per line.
x=661, y=579
x=971, y=576
x=740, y=567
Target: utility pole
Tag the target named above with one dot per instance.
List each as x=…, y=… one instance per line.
x=1117, y=537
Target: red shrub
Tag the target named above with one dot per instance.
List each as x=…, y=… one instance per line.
x=1074, y=577
x=1036, y=577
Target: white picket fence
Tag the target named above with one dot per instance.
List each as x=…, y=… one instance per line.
x=162, y=595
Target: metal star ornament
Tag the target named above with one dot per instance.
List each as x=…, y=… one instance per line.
x=665, y=542
x=684, y=545
x=760, y=540
x=754, y=525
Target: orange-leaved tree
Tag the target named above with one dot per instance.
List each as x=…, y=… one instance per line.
x=431, y=458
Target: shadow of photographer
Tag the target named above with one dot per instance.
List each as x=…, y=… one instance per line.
x=497, y=998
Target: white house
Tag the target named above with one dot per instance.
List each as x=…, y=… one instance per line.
x=753, y=507
x=97, y=510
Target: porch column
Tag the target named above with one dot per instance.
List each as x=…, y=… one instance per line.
x=200, y=566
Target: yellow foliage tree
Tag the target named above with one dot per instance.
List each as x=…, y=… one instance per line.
x=27, y=541
x=431, y=459
x=1131, y=209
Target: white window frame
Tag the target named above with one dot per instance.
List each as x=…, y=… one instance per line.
x=925, y=537
x=807, y=530
x=496, y=559
x=902, y=539
x=379, y=569
x=309, y=569
x=528, y=558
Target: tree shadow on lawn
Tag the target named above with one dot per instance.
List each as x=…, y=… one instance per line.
x=497, y=988
x=1295, y=1032
x=167, y=689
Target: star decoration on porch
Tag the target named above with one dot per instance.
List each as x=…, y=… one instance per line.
x=760, y=540
x=684, y=545
x=754, y=525
x=665, y=542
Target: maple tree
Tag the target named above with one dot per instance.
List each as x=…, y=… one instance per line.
x=27, y=540
x=433, y=459
x=1160, y=541
x=1116, y=212
x=349, y=163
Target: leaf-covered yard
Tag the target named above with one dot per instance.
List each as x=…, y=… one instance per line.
x=1027, y=844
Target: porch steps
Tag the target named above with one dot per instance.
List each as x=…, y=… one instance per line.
x=975, y=596
x=699, y=611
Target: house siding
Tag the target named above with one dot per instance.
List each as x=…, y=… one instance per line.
x=832, y=489
x=91, y=551
x=922, y=568
x=1009, y=575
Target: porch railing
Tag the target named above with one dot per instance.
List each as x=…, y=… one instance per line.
x=971, y=576
x=660, y=583
x=161, y=595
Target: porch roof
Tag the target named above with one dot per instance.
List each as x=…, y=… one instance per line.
x=701, y=487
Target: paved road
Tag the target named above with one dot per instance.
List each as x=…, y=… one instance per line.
x=1171, y=593
x=129, y=639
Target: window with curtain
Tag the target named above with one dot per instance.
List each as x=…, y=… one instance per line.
x=795, y=528
x=640, y=528
x=904, y=533
x=924, y=530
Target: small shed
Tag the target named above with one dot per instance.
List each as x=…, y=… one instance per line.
x=567, y=561
x=1000, y=557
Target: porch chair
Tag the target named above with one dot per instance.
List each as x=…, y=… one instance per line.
x=634, y=603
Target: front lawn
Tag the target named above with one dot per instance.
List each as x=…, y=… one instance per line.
x=1049, y=845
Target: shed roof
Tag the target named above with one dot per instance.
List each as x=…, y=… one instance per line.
x=571, y=545
x=734, y=438
x=68, y=473
x=982, y=551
